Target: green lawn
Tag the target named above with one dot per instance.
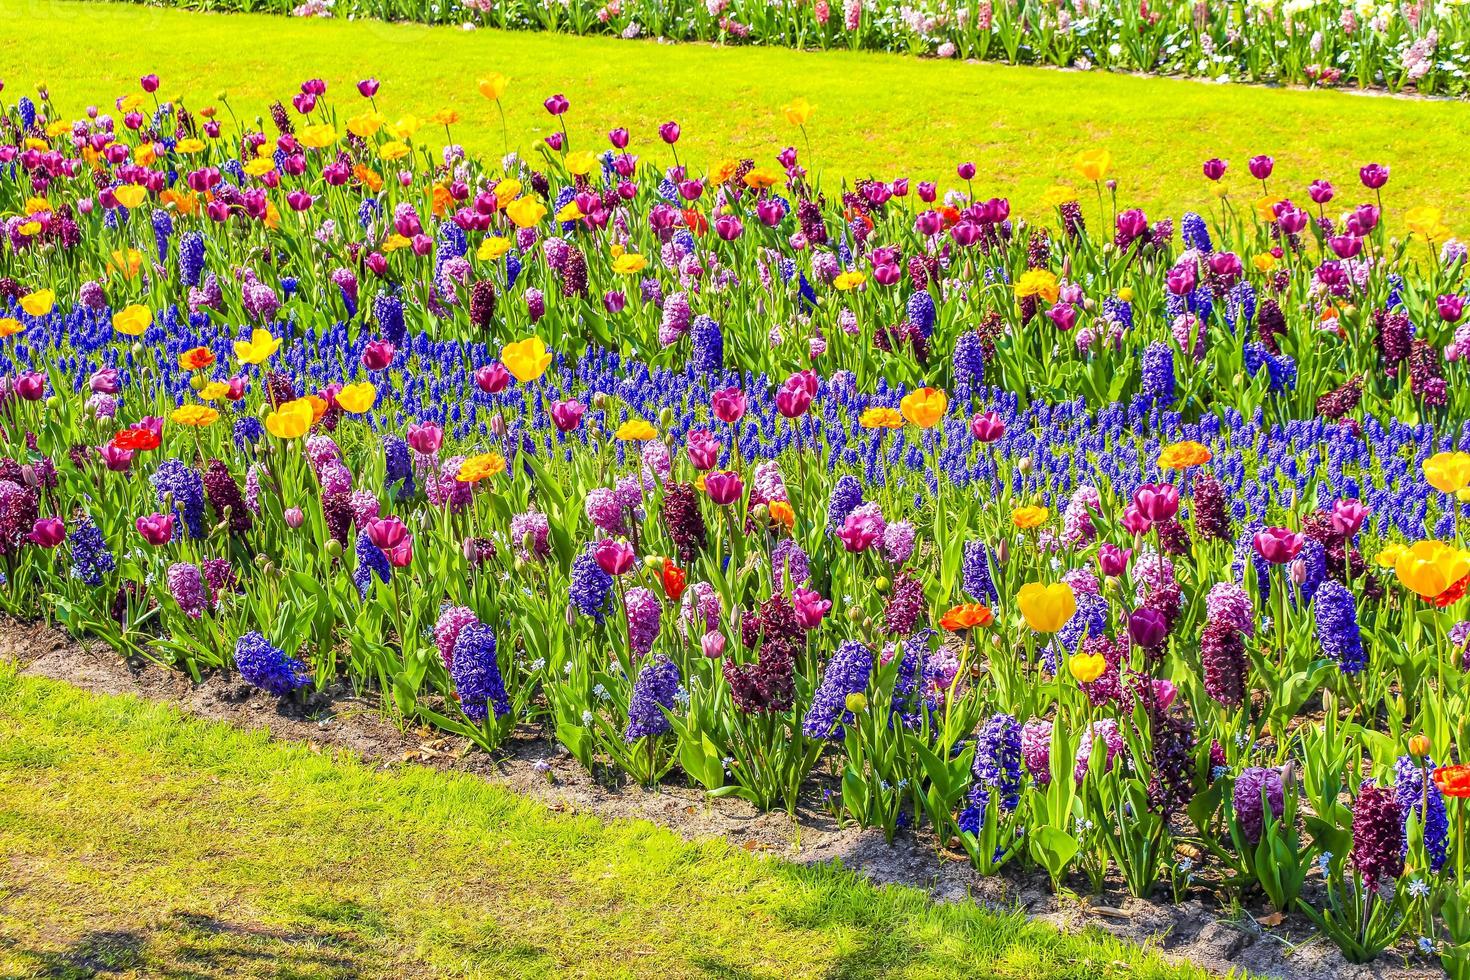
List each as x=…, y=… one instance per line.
x=138, y=842
x=876, y=114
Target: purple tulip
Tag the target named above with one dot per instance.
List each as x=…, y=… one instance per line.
x=1215, y=168
x=669, y=132
x=48, y=532
x=1373, y=176
x=1148, y=628
x=614, y=557
x=1348, y=516
x=567, y=414
x=1113, y=560
x=724, y=487
x=557, y=104
x=1451, y=307
x=1261, y=167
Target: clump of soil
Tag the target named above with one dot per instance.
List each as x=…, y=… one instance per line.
x=1199, y=930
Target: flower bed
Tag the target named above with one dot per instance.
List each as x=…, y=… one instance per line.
x=1077, y=553
x=1396, y=46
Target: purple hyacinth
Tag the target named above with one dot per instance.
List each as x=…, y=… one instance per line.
x=1378, y=835
x=644, y=612
x=846, y=496
x=90, y=558
x=975, y=567
x=590, y=587
x=187, y=585
x=370, y=562
x=267, y=667
x=476, y=674
x=997, y=767
x=653, y=692
x=177, y=480
x=847, y=673
x=1338, y=633
x=1250, y=815
x=1412, y=791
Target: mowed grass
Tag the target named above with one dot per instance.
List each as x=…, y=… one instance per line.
x=139, y=843
x=877, y=115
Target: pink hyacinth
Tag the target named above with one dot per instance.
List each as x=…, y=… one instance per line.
x=446, y=630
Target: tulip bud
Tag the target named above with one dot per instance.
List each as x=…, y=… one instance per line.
x=1002, y=552
x=1419, y=746
x=712, y=644
x=856, y=702
x=334, y=548
x=294, y=517
x=655, y=562
x=1023, y=465
x=665, y=417
x=882, y=584
x=196, y=381
x=854, y=614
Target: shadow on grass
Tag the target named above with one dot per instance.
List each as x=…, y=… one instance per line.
x=193, y=946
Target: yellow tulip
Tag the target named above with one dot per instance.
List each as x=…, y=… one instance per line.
x=38, y=303
x=126, y=262
x=130, y=195
x=1026, y=518
x=357, y=398
x=196, y=416
x=635, y=430
x=1183, y=455
x=798, y=111
x=526, y=359
x=1046, y=608
x=848, y=281
x=924, y=407
x=1424, y=220
x=1389, y=556
x=481, y=467
x=1041, y=283
x=506, y=191
x=492, y=86
x=1448, y=472
x=258, y=349
x=492, y=248
x=291, y=420
x=318, y=137
x=10, y=326
x=393, y=150
x=525, y=211
x=1088, y=667
x=581, y=163
x=260, y=166
x=880, y=418
x=214, y=391
x=189, y=145
x=131, y=321
x=570, y=212
x=1093, y=164
x=366, y=124
x=1428, y=568
x=629, y=263
x=1056, y=196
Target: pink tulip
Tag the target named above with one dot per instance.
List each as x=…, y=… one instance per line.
x=614, y=557
x=859, y=532
x=426, y=438
x=728, y=405
x=724, y=487
x=1348, y=517
x=810, y=608
x=492, y=378
x=1157, y=502
x=105, y=382
x=1134, y=522
x=157, y=529
x=987, y=427
x=116, y=460
x=712, y=644
x=704, y=450
x=1278, y=545
x=567, y=414
x=48, y=532
x=1113, y=560
x=378, y=354
x=295, y=517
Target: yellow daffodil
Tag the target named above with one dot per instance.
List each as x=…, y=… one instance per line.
x=527, y=359
x=357, y=398
x=38, y=303
x=258, y=349
x=131, y=321
x=1046, y=608
x=291, y=420
x=924, y=407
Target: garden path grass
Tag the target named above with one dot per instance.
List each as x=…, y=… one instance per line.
x=876, y=114
x=141, y=843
